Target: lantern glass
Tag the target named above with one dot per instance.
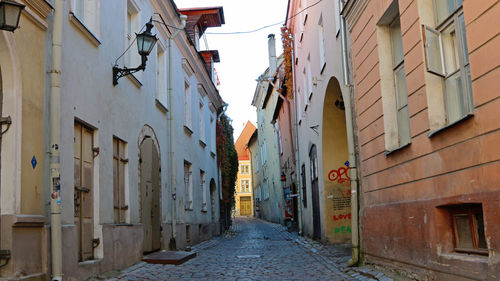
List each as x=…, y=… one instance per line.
x=145, y=43
x=10, y=12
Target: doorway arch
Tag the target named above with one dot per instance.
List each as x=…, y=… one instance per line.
x=313, y=159
x=336, y=182
x=150, y=190
x=213, y=194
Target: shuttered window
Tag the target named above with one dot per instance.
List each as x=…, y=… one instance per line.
x=119, y=167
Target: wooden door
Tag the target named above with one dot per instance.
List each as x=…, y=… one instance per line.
x=313, y=157
x=245, y=206
x=150, y=195
x=83, y=193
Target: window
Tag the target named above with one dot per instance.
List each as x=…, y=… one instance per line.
x=202, y=122
x=256, y=162
x=120, y=162
x=188, y=186
x=266, y=190
x=304, y=185
x=257, y=194
x=132, y=57
x=244, y=185
x=188, y=121
x=203, y=191
x=244, y=169
x=278, y=135
x=321, y=44
x=447, y=57
x=87, y=12
x=263, y=153
x=213, y=137
x=161, y=76
x=309, y=78
x=398, y=70
x=393, y=79
x=305, y=89
x=468, y=228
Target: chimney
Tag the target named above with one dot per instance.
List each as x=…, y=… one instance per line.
x=273, y=62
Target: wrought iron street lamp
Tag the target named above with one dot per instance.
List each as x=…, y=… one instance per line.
x=145, y=44
x=10, y=12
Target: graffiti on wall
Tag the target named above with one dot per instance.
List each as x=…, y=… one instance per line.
x=342, y=229
x=342, y=217
x=341, y=175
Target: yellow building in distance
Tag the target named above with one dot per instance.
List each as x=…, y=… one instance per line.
x=243, y=192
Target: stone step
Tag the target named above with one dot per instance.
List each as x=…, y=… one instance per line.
x=169, y=257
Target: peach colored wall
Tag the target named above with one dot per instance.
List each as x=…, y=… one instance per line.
x=400, y=191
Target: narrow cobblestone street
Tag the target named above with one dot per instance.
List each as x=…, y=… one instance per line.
x=255, y=250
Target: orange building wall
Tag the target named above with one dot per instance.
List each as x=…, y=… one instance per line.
x=401, y=223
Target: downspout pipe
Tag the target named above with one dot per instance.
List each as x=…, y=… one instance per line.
x=54, y=109
x=296, y=132
x=171, y=119
x=349, y=109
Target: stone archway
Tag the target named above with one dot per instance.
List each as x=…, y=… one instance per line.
x=336, y=181
x=150, y=189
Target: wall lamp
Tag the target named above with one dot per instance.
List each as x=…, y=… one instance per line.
x=145, y=44
x=10, y=12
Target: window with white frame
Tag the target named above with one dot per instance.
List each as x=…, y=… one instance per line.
x=161, y=76
x=188, y=119
x=447, y=57
x=133, y=25
x=188, y=186
x=398, y=68
x=244, y=169
x=87, y=12
x=203, y=186
x=393, y=79
x=321, y=44
x=245, y=185
x=201, y=118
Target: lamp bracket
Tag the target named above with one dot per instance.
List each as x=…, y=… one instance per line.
x=121, y=72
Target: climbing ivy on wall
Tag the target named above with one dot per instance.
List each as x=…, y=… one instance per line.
x=227, y=160
x=286, y=39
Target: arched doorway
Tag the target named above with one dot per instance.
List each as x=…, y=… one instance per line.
x=337, y=195
x=313, y=158
x=150, y=185
x=212, y=200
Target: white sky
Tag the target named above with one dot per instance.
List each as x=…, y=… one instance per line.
x=243, y=56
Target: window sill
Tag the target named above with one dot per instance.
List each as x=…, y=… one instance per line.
x=188, y=130
x=90, y=262
x=84, y=30
x=161, y=106
x=203, y=144
x=475, y=258
x=323, y=68
x=388, y=152
x=437, y=131
x=212, y=154
x=134, y=80
x=188, y=209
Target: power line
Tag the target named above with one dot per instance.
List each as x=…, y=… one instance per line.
x=266, y=26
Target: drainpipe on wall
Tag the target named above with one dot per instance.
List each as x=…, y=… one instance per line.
x=54, y=108
x=296, y=129
x=173, y=181
x=349, y=108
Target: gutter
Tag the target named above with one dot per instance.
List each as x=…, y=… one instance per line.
x=54, y=159
x=173, y=182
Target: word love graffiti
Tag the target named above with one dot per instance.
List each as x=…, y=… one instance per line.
x=341, y=175
x=342, y=217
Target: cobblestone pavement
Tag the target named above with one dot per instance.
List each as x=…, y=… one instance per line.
x=257, y=250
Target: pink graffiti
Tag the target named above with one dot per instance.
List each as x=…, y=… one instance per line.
x=340, y=176
x=342, y=217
